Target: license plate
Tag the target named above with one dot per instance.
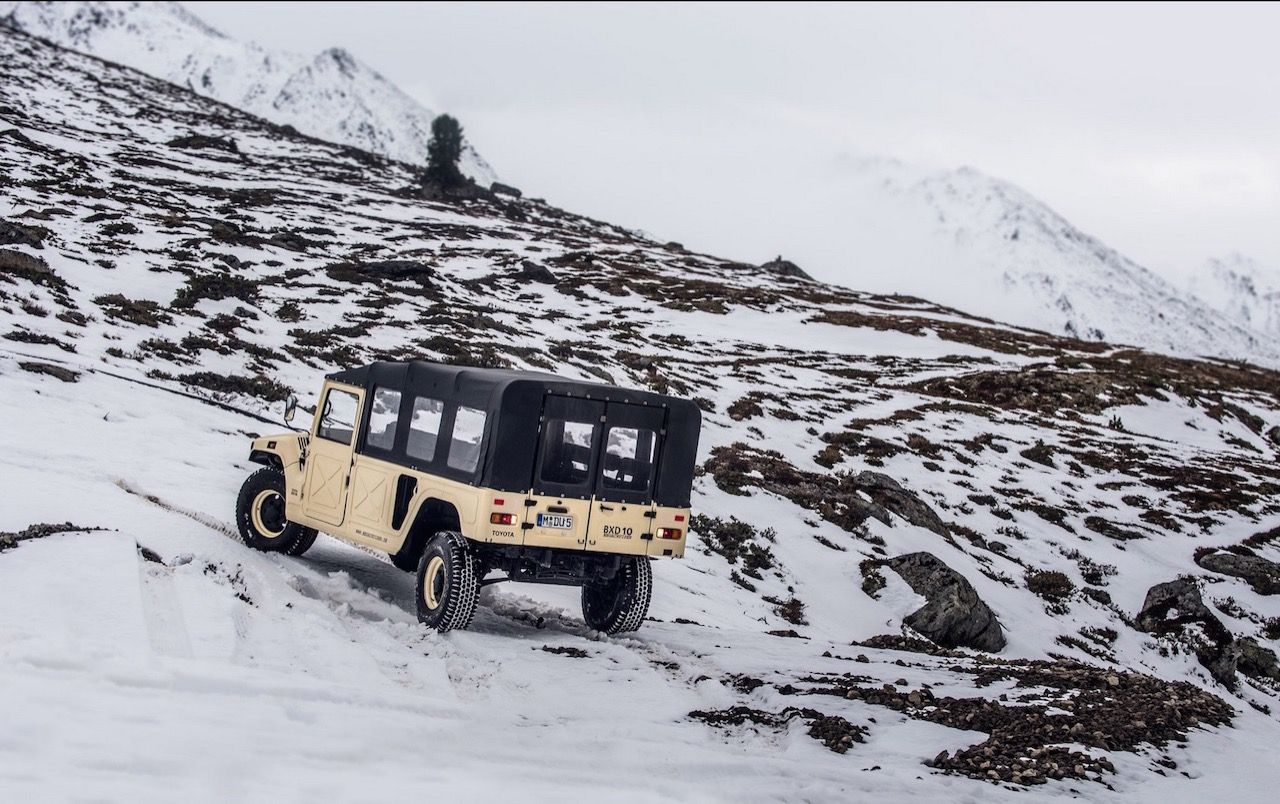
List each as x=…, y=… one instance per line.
x=556, y=521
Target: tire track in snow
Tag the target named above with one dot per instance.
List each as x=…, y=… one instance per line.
x=162, y=610
x=203, y=518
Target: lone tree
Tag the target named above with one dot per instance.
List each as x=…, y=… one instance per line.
x=443, y=153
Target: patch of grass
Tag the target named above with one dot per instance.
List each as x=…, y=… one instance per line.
x=1051, y=585
x=215, y=286
x=143, y=312
x=258, y=386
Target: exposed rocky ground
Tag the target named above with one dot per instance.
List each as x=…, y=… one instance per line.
x=1104, y=519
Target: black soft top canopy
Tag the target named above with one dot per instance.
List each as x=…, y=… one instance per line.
x=514, y=402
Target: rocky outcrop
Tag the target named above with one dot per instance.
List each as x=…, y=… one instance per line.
x=203, y=141
x=1169, y=608
x=783, y=267
x=1261, y=574
x=955, y=616
x=376, y=271
x=498, y=188
x=888, y=493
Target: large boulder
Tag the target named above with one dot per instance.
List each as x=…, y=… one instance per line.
x=1256, y=661
x=889, y=494
x=531, y=271
x=1169, y=608
x=1263, y=575
x=955, y=616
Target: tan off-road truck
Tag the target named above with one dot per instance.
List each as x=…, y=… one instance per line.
x=459, y=472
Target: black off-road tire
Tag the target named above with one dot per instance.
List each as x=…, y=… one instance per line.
x=447, y=584
x=621, y=603
x=306, y=538
x=260, y=516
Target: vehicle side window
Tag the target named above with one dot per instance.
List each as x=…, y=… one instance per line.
x=628, y=459
x=468, y=432
x=424, y=428
x=338, y=421
x=566, y=451
x=383, y=415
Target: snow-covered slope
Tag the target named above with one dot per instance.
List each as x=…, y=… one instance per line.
x=331, y=95
x=984, y=245
x=1242, y=289
x=159, y=294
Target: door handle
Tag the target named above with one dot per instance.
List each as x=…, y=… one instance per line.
x=557, y=509
x=604, y=507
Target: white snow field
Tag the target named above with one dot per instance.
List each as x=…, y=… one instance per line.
x=171, y=267
x=224, y=673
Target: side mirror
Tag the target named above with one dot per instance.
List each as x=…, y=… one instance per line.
x=290, y=408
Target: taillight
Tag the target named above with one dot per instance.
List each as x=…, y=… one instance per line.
x=670, y=533
x=502, y=519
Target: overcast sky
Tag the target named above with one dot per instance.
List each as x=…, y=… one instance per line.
x=1154, y=127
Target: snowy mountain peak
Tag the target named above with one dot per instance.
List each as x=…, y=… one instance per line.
x=331, y=95
x=341, y=58
x=1012, y=258
x=1241, y=287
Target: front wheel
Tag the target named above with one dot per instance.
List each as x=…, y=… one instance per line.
x=261, y=520
x=620, y=603
x=448, y=584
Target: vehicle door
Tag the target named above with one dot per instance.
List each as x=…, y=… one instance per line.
x=559, y=509
x=622, y=512
x=373, y=477
x=329, y=455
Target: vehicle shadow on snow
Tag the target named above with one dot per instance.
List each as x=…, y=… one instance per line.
x=500, y=612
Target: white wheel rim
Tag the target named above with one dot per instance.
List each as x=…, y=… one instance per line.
x=435, y=571
x=256, y=513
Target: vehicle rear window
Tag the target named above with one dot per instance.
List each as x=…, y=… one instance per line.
x=566, y=451
x=468, y=431
x=383, y=416
x=628, y=459
x=424, y=428
x=338, y=421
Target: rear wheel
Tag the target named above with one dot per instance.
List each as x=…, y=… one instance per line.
x=260, y=516
x=621, y=603
x=447, y=583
